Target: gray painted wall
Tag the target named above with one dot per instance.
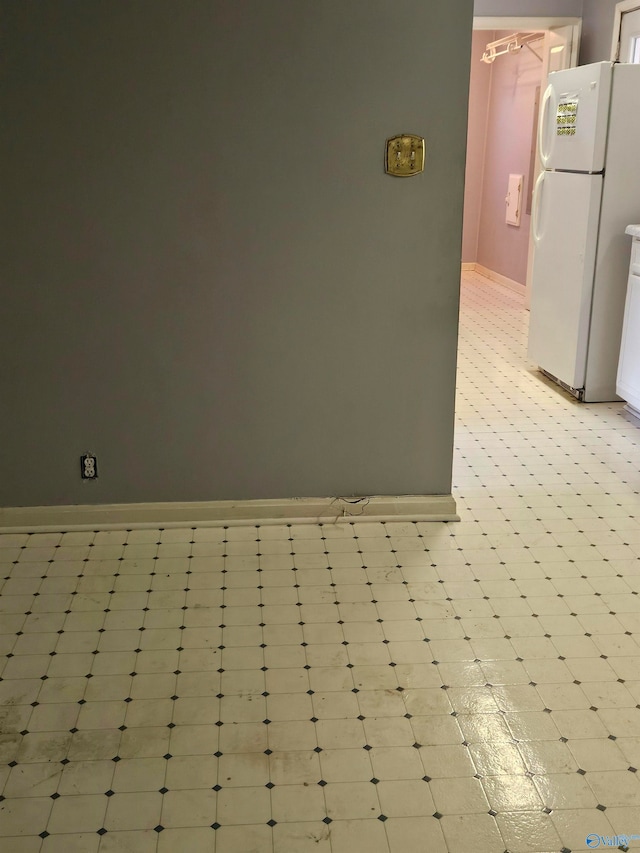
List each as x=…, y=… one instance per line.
x=208, y=280
x=533, y=8
x=597, y=30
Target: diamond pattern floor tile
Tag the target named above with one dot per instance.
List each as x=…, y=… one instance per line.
x=355, y=686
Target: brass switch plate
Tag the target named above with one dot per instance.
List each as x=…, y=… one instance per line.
x=404, y=155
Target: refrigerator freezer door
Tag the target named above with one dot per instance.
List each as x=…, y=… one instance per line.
x=565, y=228
x=574, y=118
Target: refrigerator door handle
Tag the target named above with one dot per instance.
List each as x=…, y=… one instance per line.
x=543, y=133
x=537, y=204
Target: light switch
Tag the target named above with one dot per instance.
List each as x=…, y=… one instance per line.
x=513, y=199
x=404, y=155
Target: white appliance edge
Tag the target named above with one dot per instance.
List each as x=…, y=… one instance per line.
x=620, y=205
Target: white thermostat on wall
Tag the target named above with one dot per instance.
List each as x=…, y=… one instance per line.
x=513, y=199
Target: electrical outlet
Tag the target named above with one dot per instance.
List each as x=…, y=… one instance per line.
x=88, y=467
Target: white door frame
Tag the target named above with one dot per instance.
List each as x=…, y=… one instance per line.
x=621, y=8
x=522, y=23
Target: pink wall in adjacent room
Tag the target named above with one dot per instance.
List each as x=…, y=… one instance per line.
x=514, y=78
x=501, y=117
x=479, y=90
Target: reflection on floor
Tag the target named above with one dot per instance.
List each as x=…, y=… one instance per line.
x=471, y=686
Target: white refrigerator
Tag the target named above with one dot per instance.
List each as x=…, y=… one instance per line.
x=589, y=191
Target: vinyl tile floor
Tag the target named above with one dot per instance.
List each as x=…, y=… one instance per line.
x=362, y=686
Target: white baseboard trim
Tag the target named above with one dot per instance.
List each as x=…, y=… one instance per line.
x=39, y=519
x=501, y=279
x=632, y=410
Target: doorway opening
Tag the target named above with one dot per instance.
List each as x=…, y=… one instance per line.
x=510, y=60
